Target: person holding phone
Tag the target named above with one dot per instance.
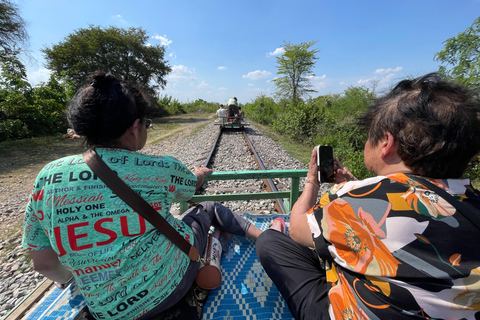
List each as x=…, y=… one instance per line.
x=392, y=246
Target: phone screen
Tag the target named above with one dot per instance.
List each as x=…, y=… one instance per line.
x=325, y=163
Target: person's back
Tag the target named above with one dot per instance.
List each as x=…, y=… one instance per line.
x=75, y=226
x=393, y=246
x=232, y=108
x=221, y=112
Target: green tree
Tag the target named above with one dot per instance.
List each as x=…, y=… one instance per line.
x=462, y=53
x=124, y=53
x=295, y=67
x=13, y=34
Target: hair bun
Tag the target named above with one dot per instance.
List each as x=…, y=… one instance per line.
x=102, y=81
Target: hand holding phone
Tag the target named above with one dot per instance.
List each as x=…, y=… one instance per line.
x=325, y=164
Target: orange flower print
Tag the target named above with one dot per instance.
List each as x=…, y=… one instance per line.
x=427, y=203
x=356, y=240
x=342, y=301
x=423, y=201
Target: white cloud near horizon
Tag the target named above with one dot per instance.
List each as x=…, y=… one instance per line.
x=277, y=52
x=163, y=40
x=257, y=74
x=389, y=70
x=222, y=68
x=181, y=72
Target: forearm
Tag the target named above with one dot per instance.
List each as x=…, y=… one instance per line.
x=46, y=262
x=58, y=274
x=299, y=229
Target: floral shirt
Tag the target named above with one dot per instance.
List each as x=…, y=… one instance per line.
x=395, y=250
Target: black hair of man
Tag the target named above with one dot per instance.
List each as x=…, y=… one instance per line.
x=436, y=124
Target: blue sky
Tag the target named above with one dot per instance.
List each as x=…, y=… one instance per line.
x=220, y=49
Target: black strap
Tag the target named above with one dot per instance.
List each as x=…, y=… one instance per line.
x=461, y=207
x=136, y=202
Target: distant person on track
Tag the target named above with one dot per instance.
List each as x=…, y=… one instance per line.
x=233, y=109
x=241, y=114
x=392, y=246
x=75, y=226
x=221, y=112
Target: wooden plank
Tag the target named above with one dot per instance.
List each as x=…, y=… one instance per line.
x=19, y=311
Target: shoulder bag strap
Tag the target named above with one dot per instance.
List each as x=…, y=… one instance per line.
x=136, y=202
x=461, y=207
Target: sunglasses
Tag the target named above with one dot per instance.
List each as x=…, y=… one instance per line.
x=148, y=123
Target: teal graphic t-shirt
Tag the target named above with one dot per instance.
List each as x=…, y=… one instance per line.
x=123, y=266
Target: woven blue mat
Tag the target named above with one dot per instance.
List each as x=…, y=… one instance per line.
x=246, y=292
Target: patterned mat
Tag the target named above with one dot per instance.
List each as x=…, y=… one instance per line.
x=246, y=292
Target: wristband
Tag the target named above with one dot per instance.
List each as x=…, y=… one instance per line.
x=316, y=185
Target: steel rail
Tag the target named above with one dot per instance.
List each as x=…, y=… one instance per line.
x=269, y=184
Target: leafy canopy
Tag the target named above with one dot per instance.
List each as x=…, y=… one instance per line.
x=124, y=53
x=462, y=53
x=296, y=68
x=13, y=34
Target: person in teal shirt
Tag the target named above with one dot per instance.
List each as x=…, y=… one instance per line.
x=77, y=227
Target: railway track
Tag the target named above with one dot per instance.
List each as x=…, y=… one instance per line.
x=252, y=161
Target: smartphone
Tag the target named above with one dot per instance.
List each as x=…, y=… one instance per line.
x=325, y=163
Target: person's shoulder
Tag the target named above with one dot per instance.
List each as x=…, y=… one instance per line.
x=345, y=187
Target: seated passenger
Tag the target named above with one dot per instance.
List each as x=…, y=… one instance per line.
x=232, y=109
x=75, y=226
x=391, y=246
x=221, y=113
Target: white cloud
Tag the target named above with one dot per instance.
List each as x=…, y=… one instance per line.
x=38, y=76
x=203, y=85
x=163, y=40
x=180, y=73
x=119, y=19
x=277, y=52
x=255, y=75
x=342, y=83
x=364, y=81
x=317, y=82
x=313, y=77
x=222, y=89
x=222, y=68
x=389, y=70
x=251, y=85
x=172, y=55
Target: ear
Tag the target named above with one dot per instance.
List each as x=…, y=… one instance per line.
x=133, y=130
x=388, y=144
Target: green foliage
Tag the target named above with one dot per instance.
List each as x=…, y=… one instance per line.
x=300, y=122
x=170, y=106
x=295, y=67
x=200, y=106
x=12, y=129
x=124, y=53
x=462, y=54
x=27, y=111
x=13, y=34
x=263, y=110
x=339, y=127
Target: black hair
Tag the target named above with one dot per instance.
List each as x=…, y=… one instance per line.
x=103, y=110
x=436, y=123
